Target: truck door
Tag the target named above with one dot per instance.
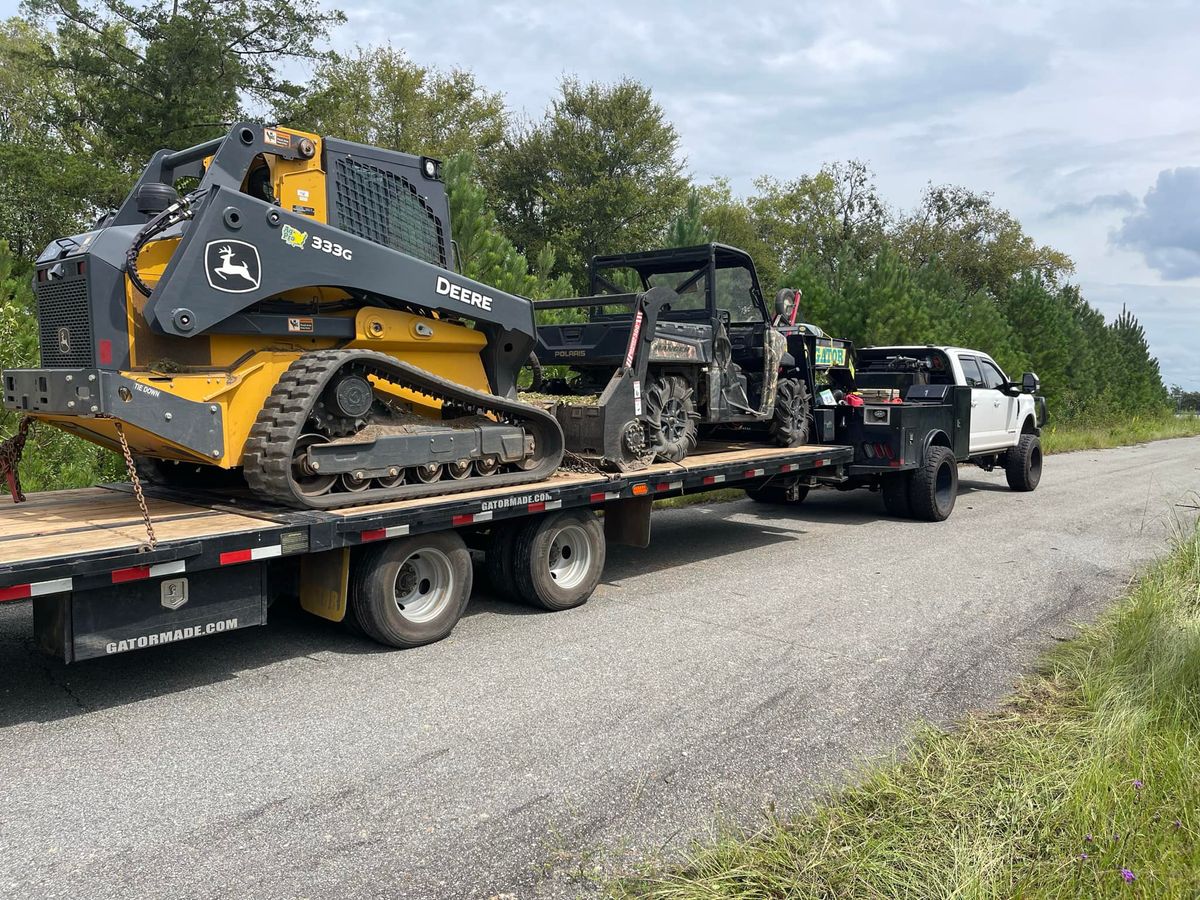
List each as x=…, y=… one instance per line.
x=995, y=380
x=987, y=418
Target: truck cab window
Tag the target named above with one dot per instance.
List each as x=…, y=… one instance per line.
x=992, y=376
x=970, y=367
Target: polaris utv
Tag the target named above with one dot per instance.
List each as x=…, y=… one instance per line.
x=678, y=344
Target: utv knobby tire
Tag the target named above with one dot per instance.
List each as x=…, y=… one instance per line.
x=934, y=486
x=546, y=577
x=412, y=569
x=792, y=421
x=671, y=417
x=776, y=495
x=1023, y=463
x=894, y=491
x=498, y=559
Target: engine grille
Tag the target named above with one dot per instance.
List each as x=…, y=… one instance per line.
x=385, y=208
x=65, y=324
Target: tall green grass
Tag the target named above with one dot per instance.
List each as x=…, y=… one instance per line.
x=1100, y=434
x=1085, y=784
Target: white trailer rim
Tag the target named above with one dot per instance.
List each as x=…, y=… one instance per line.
x=570, y=557
x=425, y=585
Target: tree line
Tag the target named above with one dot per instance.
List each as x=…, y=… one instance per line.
x=89, y=89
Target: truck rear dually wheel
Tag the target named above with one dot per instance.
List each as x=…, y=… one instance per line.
x=934, y=486
x=894, y=490
x=1023, y=463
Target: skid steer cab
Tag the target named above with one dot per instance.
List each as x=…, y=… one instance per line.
x=280, y=308
x=671, y=347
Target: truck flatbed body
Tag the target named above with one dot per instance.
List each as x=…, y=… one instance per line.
x=93, y=540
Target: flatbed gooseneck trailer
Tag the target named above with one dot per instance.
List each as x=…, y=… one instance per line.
x=401, y=572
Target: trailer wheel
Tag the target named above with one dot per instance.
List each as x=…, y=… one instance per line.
x=1023, y=463
x=558, y=559
x=498, y=559
x=894, y=490
x=412, y=591
x=934, y=486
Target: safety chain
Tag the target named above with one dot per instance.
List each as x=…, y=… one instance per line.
x=152, y=541
x=10, y=458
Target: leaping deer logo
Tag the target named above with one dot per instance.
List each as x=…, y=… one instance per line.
x=233, y=267
x=229, y=267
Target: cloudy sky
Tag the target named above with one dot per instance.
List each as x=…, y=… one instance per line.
x=1080, y=117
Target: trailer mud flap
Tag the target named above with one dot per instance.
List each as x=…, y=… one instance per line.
x=136, y=616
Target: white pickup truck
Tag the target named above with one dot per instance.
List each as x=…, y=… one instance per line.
x=1006, y=416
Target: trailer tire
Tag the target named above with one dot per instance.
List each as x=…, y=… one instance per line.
x=895, y=492
x=934, y=486
x=413, y=590
x=558, y=558
x=498, y=559
x=1023, y=463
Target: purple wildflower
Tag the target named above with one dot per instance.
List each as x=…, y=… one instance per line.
x=1137, y=784
x=1178, y=824
x=1127, y=875
x=1088, y=838
x=1083, y=856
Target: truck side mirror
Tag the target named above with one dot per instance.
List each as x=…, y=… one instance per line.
x=1030, y=383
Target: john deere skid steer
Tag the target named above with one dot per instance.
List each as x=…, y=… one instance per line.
x=284, y=304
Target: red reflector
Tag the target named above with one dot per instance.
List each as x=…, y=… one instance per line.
x=597, y=498
x=375, y=534
x=133, y=573
x=235, y=556
x=749, y=473
x=895, y=464
x=819, y=463
x=16, y=592
x=710, y=479
x=105, y=352
x=83, y=267
x=537, y=507
x=662, y=486
x=462, y=520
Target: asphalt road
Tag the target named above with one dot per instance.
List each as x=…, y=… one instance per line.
x=750, y=656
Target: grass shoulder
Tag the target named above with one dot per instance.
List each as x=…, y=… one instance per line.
x=1085, y=784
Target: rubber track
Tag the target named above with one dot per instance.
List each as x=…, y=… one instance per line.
x=267, y=457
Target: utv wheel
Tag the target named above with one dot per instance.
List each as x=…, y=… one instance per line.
x=1023, y=463
x=894, y=490
x=934, y=487
x=412, y=591
x=791, y=422
x=671, y=417
x=558, y=559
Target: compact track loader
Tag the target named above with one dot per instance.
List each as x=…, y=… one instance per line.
x=283, y=304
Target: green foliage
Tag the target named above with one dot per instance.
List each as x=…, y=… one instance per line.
x=484, y=253
x=379, y=96
x=599, y=174
x=1084, y=785
x=52, y=458
x=167, y=74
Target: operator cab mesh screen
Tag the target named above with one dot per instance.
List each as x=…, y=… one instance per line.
x=385, y=208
